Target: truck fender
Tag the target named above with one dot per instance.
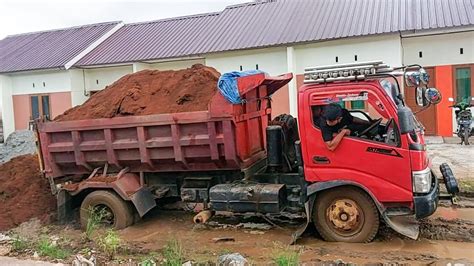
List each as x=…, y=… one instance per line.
x=126, y=185
x=320, y=186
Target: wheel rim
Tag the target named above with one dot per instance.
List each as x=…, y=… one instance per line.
x=107, y=216
x=345, y=217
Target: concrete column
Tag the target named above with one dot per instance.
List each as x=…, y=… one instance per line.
x=292, y=90
x=140, y=66
x=79, y=93
x=6, y=105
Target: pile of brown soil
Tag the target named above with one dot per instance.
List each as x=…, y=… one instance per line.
x=150, y=92
x=24, y=192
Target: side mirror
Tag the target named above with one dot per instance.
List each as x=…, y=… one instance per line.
x=416, y=78
x=450, y=99
x=405, y=119
x=433, y=96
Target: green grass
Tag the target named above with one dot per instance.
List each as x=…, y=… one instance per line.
x=94, y=220
x=466, y=186
x=173, y=253
x=46, y=248
x=19, y=244
x=287, y=257
x=109, y=243
x=149, y=260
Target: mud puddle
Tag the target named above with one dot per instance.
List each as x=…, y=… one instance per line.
x=446, y=237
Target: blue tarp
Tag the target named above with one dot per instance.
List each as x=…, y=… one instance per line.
x=227, y=84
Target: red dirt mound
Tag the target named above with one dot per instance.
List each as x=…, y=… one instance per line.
x=24, y=193
x=150, y=92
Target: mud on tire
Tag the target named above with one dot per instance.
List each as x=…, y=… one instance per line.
x=120, y=209
x=346, y=214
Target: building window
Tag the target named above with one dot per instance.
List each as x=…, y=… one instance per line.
x=40, y=107
x=357, y=105
x=463, y=84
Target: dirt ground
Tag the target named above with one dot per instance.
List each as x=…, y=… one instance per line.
x=461, y=160
x=446, y=237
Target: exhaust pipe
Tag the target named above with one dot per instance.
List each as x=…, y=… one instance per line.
x=203, y=216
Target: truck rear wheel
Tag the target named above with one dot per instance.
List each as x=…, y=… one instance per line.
x=346, y=215
x=112, y=209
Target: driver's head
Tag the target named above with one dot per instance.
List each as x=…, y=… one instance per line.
x=332, y=114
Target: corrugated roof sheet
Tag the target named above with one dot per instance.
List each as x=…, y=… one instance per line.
x=48, y=49
x=275, y=22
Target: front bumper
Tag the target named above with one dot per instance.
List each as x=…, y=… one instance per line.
x=426, y=204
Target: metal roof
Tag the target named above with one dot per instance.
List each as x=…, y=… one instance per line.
x=48, y=49
x=275, y=22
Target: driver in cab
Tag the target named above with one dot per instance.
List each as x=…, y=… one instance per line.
x=337, y=122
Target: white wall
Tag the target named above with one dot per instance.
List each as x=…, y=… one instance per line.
x=98, y=78
x=40, y=82
x=176, y=65
x=443, y=49
x=386, y=48
x=270, y=60
x=6, y=105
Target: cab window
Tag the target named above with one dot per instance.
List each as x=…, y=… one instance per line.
x=374, y=126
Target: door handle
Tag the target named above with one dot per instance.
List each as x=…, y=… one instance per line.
x=321, y=160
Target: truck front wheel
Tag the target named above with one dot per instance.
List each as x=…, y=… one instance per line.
x=345, y=215
x=106, y=207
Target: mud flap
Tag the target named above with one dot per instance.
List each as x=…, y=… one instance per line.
x=64, y=205
x=308, y=207
x=143, y=200
x=404, y=225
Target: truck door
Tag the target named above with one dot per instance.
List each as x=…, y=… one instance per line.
x=379, y=163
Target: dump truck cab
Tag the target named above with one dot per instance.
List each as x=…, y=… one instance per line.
x=386, y=160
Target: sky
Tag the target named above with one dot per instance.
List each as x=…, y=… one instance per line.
x=20, y=16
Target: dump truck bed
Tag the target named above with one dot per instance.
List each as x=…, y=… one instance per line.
x=225, y=137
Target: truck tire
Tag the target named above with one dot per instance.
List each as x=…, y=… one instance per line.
x=119, y=213
x=346, y=215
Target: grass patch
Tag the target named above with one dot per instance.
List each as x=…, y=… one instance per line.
x=96, y=215
x=286, y=257
x=466, y=186
x=19, y=244
x=46, y=248
x=173, y=253
x=109, y=243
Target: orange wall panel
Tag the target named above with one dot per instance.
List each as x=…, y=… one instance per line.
x=21, y=111
x=59, y=102
x=444, y=83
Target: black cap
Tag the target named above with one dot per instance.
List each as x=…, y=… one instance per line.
x=332, y=111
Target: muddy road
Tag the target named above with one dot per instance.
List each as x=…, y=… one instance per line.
x=446, y=237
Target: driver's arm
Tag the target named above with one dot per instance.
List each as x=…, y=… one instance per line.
x=332, y=144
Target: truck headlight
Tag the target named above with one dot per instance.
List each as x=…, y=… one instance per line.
x=422, y=181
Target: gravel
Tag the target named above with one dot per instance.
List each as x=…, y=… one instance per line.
x=18, y=143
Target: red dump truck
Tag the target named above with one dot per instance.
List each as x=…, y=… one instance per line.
x=233, y=157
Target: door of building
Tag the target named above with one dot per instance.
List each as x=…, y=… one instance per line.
x=427, y=117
